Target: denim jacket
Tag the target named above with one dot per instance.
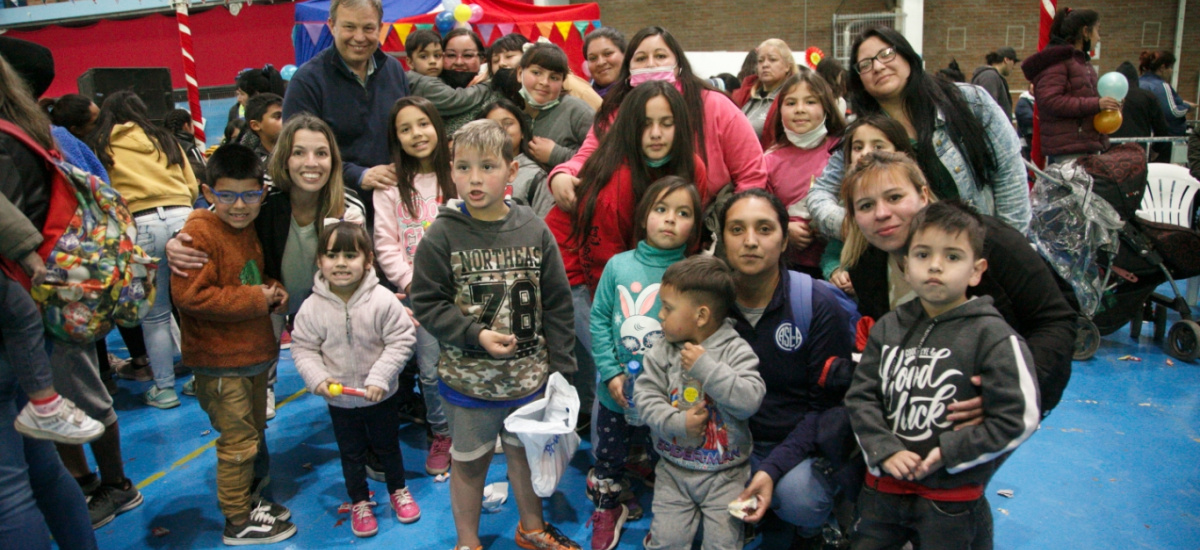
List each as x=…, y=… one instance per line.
x=1006, y=198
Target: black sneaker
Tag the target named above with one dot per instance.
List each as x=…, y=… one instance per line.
x=260, y=528
x=277, y=511
x=108, y=501
x=413, y=410
x=375, y=467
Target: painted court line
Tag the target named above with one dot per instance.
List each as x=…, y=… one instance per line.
x=200, y=450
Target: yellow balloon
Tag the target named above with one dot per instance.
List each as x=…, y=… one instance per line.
x=1107, y=122
x=462, y=13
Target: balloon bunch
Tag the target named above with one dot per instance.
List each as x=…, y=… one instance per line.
x=1113, y=85
x=455, y=13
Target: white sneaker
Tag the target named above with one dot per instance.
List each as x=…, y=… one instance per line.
x=66, y=425
x=270, y=403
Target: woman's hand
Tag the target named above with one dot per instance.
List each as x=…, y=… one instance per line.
x=762, y=487
x=540, y=149
x=562, y=186
x=1109, y=104
x=380, y=177
x=967, y=413
x=181, y=257
x=799, y=235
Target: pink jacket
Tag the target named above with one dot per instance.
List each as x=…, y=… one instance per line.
x=734, y=154
x=397, y=233
x=790, y=172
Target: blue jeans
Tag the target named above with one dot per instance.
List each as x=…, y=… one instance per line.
x=428, y=353
x=585, y=376
x=36, y=491
x=154, y=228
x=802, y=498
x=22, y=329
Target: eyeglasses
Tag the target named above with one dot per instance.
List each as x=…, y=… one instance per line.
x=466, y=56
x=248, y=197
x=867, y=65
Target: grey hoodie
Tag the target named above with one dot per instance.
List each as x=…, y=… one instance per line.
x=506, y=276
x=914, y=366
x=728, y=369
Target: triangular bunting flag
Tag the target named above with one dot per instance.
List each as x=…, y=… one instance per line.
x=403, y=30
x=384, y=31
x=582, y=26
x=314, y=31
x=526, y=30
x=485, y=31
x=425, y=26
x=596, y=24
x=505, y=28
x=545, y=28
x=564, y=28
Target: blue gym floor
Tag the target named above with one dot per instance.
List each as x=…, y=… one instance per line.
x=1117, y=465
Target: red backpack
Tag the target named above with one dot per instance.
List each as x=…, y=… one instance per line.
x=95, y=273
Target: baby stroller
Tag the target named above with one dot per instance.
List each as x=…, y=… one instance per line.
x=1084, y=224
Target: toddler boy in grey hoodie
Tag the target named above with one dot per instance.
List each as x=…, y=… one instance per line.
x=705, y=447
x=925, y=480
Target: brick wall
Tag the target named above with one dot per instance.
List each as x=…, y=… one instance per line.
x=960, y=29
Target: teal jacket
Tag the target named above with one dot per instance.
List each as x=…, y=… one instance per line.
x=625, y=311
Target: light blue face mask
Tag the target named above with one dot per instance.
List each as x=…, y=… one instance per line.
x=539, y=106
x=657, y=163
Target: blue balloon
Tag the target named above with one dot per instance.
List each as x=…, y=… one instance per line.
x=287, y=71
x=445, y=21
x=1113, y=85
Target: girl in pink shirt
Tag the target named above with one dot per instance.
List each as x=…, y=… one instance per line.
x=416, y=141
x=806, y=124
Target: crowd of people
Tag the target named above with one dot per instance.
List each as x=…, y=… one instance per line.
x=703, y=263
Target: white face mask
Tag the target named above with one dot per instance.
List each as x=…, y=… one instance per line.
x=809, y=139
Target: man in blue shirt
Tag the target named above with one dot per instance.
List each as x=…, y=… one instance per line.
x=352, y=86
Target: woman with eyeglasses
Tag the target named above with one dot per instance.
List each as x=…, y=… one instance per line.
x=149, y=168
x=965, y=146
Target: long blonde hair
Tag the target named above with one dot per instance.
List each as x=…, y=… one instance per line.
x=331, y=203
x=868, y=170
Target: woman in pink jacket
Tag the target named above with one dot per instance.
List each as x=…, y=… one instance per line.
x=726, y=141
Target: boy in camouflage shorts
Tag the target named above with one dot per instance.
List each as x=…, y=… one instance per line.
x=489, y=284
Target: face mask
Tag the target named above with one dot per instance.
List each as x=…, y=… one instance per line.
x=641, y=76
x=539, y=106
x=658, y=163
x=809, y=139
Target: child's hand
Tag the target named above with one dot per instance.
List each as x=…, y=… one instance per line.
x=269, y=294
x=322, y=389
x=281, y=307
x=697, y=420
x=374, y=394
x=903, y=465
x=540, y=149
x=841, y=279
x=931, y=464
x=497, y=345
x=616, y=388
x=691, y=352
x=799, y=235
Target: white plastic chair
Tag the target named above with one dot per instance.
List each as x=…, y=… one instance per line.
x=1169, y=195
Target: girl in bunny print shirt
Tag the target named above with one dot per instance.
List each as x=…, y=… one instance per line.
x=624, y=327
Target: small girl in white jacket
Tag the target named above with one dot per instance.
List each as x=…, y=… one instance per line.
x=354, y=334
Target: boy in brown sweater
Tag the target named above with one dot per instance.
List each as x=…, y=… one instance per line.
x=228, y=340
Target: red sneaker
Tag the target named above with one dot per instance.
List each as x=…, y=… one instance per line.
x=606, y=527
x=438, y=461
x=362, y=519
x=285, y=340
x=406, y=508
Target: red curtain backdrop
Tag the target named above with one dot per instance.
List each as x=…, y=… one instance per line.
x=224, y=44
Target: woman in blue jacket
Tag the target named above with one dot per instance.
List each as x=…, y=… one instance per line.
x=1156, y=69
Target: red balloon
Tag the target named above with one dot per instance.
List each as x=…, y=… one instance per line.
x=1107, y=122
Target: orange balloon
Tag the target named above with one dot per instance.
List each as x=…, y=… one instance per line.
x=1107, y=122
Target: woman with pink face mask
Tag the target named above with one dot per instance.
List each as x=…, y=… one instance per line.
x=724, y=138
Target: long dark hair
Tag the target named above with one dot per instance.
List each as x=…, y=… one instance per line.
x=892, y=130
x=691, y=84
x=834, y=123
x=623, y=147
x=71, y=111
x=522, y=121
x=126, y=106
x=923, y=97
x=407, y=167
x=1150, y=62
x=261, y=81
x=1068, y=26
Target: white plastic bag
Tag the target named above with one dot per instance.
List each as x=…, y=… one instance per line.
x=547, y=428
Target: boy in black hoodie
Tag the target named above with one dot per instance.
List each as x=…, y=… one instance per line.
x=925, y=480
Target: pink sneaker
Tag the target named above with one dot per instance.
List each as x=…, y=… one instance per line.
x=362, y=519
x=606, y=527
x=438, y=461
x=406, y=508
